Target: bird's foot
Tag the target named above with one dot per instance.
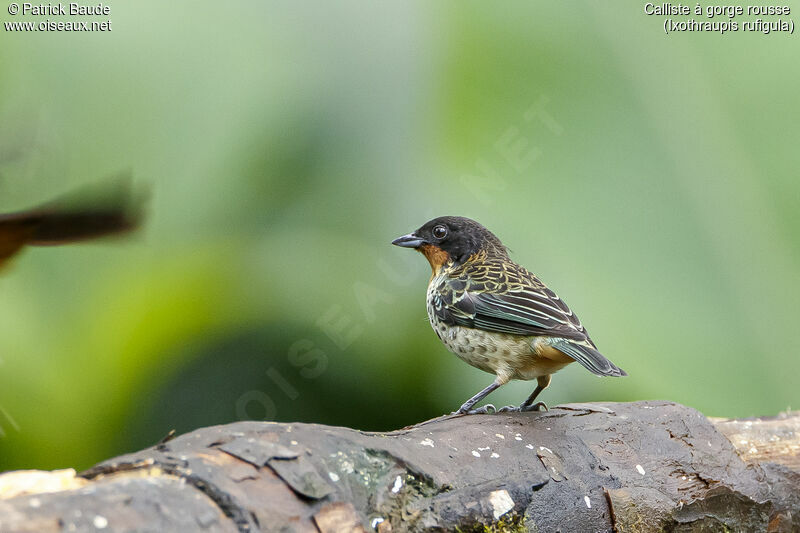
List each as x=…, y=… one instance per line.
x=538, y=406
x=487, y=409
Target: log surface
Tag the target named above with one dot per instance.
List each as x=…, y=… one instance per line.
x=644, y=466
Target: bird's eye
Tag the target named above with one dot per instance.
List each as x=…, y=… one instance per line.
x=440, y=232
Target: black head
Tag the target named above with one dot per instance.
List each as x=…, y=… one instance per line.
x=457, y=237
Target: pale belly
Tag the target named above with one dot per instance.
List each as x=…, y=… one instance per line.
x=508, y=356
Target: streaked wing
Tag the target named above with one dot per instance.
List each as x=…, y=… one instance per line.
x=505, y=299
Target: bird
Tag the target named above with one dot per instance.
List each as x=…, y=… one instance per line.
x=497, y=316
x=100, y=209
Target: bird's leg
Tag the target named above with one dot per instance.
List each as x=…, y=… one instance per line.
x=528, y=405
x=467, y=408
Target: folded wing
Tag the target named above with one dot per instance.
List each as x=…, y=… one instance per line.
x=517, y=303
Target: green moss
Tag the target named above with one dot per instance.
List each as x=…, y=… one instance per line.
x=512, y=523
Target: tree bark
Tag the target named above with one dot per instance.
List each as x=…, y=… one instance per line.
x=644, y=466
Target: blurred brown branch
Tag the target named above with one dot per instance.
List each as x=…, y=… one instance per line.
x=106, y=208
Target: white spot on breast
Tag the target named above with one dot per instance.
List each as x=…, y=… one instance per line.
x=427, y=442
x=588, y=502
x=640, y=469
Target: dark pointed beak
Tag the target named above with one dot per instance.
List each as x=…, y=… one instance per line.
x=409, y=241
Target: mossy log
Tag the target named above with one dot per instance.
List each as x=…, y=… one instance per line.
x=644, y=466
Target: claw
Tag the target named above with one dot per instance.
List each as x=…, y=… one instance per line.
x=538, y=406
x=487, y=409
x=508, y=409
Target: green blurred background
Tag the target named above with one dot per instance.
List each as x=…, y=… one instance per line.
x=651, y=180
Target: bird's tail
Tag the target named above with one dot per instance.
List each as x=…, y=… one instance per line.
x=105, y=209
x=590, y=358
